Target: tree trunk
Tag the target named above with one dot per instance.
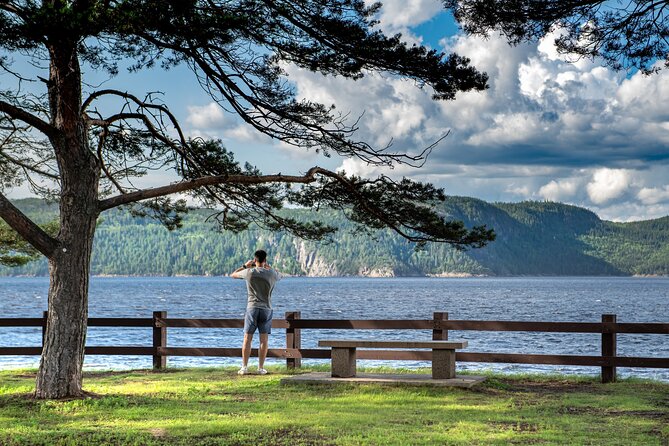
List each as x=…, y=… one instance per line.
x=63, y=355
x=60, y=372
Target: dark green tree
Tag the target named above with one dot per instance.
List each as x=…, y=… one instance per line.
x=15, y=250
x=626, y=34
x=90, y=143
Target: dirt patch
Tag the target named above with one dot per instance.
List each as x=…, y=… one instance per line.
x=552, y=387
x=650, y=414
x=24, y=397
x=287, y=436
x=278, y=437
x=27, y=376
x=158, y=432
x=230, y=414
x=515, y=426
x=144, y=372
x=536, y=388
x=653, y=414
x=244, y=399
x=84, y=396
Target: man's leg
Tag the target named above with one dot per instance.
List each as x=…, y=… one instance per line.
x=250, y=325
x=246, y=348
x=262, y=351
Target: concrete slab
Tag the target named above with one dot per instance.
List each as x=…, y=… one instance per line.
x=465, y=381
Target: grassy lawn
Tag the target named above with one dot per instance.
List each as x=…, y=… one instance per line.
x=215, y=406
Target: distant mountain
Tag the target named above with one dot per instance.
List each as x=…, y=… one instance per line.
x=533, y=238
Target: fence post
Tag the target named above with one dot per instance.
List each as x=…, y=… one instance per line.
x=439, y=333
x=45, y=316
x=609, y=349
x=159, y=340
x=293, y=339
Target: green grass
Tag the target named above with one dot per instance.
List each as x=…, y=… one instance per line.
x=215, y=406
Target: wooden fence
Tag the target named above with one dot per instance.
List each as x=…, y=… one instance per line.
x=440, y=324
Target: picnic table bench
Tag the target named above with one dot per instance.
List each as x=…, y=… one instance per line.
x=344, y=354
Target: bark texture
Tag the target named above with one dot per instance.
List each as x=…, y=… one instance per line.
x=63, y=355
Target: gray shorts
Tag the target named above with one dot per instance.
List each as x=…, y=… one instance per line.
x=259, y=318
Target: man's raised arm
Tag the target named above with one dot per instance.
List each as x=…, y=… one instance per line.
x=240, y=273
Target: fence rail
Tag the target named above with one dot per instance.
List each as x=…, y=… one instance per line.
x=440, y=325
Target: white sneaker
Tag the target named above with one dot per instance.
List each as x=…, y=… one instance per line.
x=262, y=371
x=243, y=371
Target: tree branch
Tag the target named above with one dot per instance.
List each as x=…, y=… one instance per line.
x=26, y=166
x=140, y=103
x=9, y=7
x=103, y=165
x=26, y=228
x=150, y=107
x=183, y=186
x=370, y=208
x=28, y=118
x=275, y=120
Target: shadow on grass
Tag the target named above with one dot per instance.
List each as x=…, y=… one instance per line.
x=216, y=406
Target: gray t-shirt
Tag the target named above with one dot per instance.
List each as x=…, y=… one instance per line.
x=259, y=285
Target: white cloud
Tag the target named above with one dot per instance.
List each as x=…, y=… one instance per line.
x=545, y=129
x=540, y=108
x=212, y=121
x=299, y=154
x=547, y=45
x=521, y=191
x=654, y=195
x=561, y=190
x=646, y=195
x=389, y=108
x=631, y=211
x=607, y=184
x=645, y=96
x=355, y=167
x=247, y=134
x=397, y=15
x=508, y=129
x=210, y=116
x=534, y=78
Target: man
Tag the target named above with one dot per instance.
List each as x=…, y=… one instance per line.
x=260, y=279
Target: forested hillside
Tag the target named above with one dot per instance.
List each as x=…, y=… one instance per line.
x=533, y=238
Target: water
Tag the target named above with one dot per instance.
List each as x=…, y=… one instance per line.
x=522, y=299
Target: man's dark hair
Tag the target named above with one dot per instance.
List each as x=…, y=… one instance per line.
x=260, y=255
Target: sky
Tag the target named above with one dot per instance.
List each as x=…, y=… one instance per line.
x=547, y=128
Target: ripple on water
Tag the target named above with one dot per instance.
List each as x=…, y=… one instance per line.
x=526, y=298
